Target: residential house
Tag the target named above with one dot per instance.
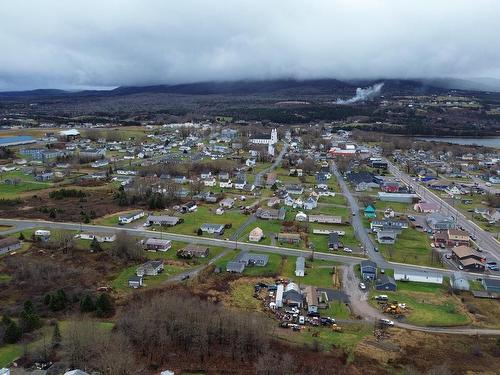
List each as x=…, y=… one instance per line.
x=150, y=268
x=156, y=244
x=271, y=179
x=387, y=224
x=334, y=242
x=164, y=220
x=212, y=228
x=240, y=182
x=386, y=283
x=273, y=201
x=293, y=238
x=252, y=259
x=387, y=237
x=227, y=203
x=135, y=281
x=255, y=235
x=292, y=295
x=492, y=215
x=43, y=235
x=210, y=181
x=325, y=219
x=99, y=237
x=370, y=211
x=270, y=214
x=368, y=270
x=437, y=221
x=300, y=266
x=9, y=244
x=294, y=189
x=225, y=183
x=193, y=251
x=130, y=217
x=311, y=297
x=426, y=207
x=301, y=216
x=235, y=267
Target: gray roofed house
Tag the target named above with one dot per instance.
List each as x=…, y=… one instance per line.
x=150, y=268
x=270, y=213
x=212, y=228
x=252, y=259
x=237, y=267
x=163, y=220
x=333, y=241
x=300, y=265
x=386, y=237
x=157, y=244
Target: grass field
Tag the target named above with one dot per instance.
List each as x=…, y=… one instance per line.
x=9, y=353
x=428, y=304
x=318, y=273
x=241, y=294
x=206, y=214
x=412, y=247
x=13, y=191
x=337, y=199
x=350, y=336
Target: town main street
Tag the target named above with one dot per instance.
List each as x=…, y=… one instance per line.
x=483, y=239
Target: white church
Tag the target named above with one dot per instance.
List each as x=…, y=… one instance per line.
x=270, y=142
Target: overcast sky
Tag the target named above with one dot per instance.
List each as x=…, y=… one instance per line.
x=103, y=43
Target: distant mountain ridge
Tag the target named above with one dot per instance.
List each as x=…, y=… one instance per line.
x=262, y=87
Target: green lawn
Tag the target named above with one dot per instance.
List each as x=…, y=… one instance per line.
x=337, y=199
x=428, y=304
x=9, y=353
x=13, y=191
x=206, y=214
x=273, y=267
x=412, y=247
x=318, y=273
x=121, y=281
x=337, y=310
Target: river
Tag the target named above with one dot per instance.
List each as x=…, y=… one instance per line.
x=487, y=142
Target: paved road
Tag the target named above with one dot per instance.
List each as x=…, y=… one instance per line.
x=484, y=239
x=276, y=163
x=359, y=229
x=359, y=304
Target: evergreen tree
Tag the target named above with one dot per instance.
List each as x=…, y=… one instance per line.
x=95, y=245
x=87, y=304
x=12, y=333
x=103, y=305
x=21, y=236
x=56, y=336
x=29, y=317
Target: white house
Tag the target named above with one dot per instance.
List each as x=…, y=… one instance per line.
x=100, y=237
x=418, y=276
x=300, y=265
x=279, y=295
x=255, y=235
x=127, y=219
x=211, y=182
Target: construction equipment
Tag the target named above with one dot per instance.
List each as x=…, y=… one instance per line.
x=393, y=309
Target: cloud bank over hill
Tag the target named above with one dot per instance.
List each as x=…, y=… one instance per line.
x=103, y=43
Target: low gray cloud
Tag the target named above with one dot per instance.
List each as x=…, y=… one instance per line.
x=95, y=43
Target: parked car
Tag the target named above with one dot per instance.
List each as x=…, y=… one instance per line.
x=387, y=322
x=185, y=277
x=447, y=256
x=382, y=297
x=491, y=263
x=347, y=250
x=493, y=268
x=362, y=286
x=460, y=267
x=376, y=249
x=327, y=321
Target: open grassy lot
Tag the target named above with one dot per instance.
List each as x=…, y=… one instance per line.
x=337, y=310
x=273, y=267
x=412, y=247
x=320, y=241
x=241, y=295
x=9, y=353
x=396, y=206
x=428, y=304
x=318, y=272
x=13, y=191
x=483, y=311
x=350, y=336
x=206, y=214
x=337, y=199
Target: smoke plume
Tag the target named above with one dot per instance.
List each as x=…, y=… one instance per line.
x=362, y=95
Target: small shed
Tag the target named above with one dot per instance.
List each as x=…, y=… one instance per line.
x=370, y=211
x=300, y=266
x=458, y=281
